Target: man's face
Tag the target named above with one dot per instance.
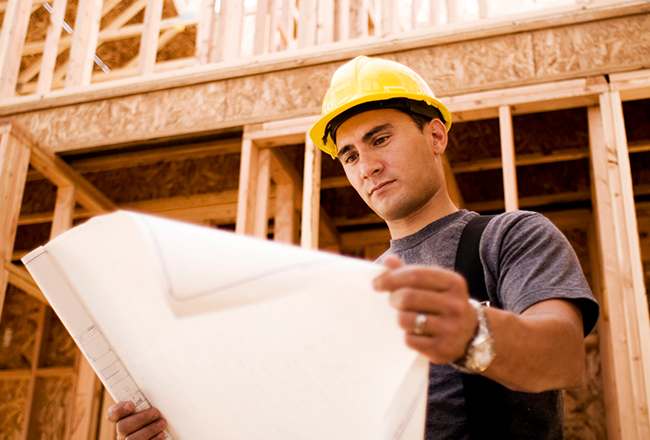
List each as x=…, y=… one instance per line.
x=394, y=166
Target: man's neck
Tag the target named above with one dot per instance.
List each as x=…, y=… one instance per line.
x=438, y=207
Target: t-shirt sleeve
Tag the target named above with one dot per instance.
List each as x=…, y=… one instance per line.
x=527, y=260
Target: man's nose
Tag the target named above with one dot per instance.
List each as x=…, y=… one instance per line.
x=369, y=165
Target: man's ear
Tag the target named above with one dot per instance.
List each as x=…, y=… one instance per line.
x=439, y=135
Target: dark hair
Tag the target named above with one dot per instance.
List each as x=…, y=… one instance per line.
x=419, y=111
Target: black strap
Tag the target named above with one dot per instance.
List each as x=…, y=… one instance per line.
x=468, y=260
x=484, y=398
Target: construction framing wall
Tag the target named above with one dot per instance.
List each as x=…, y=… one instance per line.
x=230, y=134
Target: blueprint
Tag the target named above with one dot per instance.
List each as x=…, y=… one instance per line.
x=233, y=337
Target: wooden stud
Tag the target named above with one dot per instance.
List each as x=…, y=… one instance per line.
x=604, y=337
x=51, y=50
x=415, y=9
x=259, y=43
x=150, y=34
x=33, y=401
x=261, y=216
x=325, y=22
x=434, y=12
x=359, y=26
x=452, y=184
x=83, y=416
x=63, y=210
x=84, y=43
x=639, y=301
x=508, y=159
x=14, y=160
x=246, y=200
x=285, y=214
x=307, y=24
x=214, y=53
x=452, y=11
x=204, y=31
x=311, y=196
x=229, y=30
x=617, y=290
x=343, y=20
x=389, y=17
x=286, y=26
x=12, y=39
x=274, y=27
x=482, y=9
x=106, y=430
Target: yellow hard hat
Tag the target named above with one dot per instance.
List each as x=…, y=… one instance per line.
x=371, y=83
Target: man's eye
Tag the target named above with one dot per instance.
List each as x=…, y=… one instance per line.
x=350, y=158
x=381, y=140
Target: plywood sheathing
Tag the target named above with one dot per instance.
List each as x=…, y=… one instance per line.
x=535, y=56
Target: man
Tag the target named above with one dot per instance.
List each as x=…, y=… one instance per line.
x=495, y=371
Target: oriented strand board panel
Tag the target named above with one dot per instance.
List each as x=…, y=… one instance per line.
x=572, y=51
x=18, y=330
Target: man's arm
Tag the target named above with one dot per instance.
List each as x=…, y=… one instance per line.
x=538, y=350
x=145, y=425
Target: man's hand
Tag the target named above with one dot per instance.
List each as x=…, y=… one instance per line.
x=438, y=294
x=538, y=350
x=145, y=425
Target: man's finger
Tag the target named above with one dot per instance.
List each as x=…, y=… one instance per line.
x=146, y=423
x=153, y=430
x=431, y=278
x=119, y=411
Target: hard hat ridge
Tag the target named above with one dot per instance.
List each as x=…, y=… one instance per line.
x=370, y=83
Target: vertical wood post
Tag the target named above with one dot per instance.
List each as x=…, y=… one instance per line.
x=311, y=196
x=204, y=31
x=261, y=217
x=150, y=34
x=263, y=8
x=51, y=49
x=325, y=21
x=434, y=12
x=286, y=24
x=84, y=43
x=389, y=17
x=628, y=326
x=482, y=9
x=229, y=29
x=246, y=198
x=343, y=20
x=452, y=11
x=508, y=159
x=14, y=161
x=307, y=23
x=12, y=39
x=415, y=8
x=285, y=213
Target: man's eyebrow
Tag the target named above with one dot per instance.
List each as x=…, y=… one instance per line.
x=366, y=137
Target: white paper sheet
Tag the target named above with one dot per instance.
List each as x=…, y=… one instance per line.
x=233, y=337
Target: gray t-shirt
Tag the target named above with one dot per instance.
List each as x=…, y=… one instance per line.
x=525, y=260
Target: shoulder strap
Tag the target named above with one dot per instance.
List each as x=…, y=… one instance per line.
x=484, y=399
x=468, y=260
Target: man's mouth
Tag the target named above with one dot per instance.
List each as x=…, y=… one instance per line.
x=379, y=186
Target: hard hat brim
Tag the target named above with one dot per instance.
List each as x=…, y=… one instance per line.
x=317, y=131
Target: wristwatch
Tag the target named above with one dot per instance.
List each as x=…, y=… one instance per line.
x=480, y=351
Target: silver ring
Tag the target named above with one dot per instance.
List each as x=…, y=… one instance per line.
x=420, y=322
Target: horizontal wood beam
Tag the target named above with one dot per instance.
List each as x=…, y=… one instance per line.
x=60, y=173
x=19, y=277
x=336, y=52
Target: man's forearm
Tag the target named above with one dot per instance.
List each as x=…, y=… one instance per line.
x=541, y=349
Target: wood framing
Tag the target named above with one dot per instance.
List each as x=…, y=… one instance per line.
x=84, y=43
x=311, y=196
x=510, y=194
x=51, y=49
x=12, y=39
x=618, y=294
x=150, y=33
x=15, y=149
